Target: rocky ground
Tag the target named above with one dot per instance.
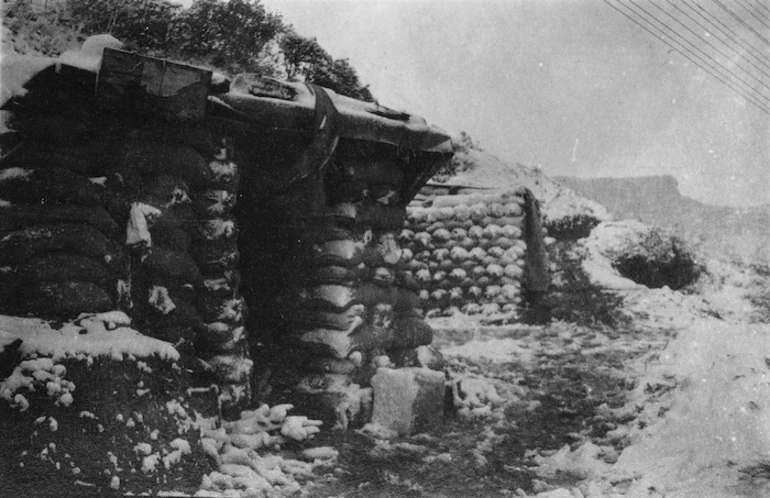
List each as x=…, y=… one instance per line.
x=566, y=410
x=558, y=386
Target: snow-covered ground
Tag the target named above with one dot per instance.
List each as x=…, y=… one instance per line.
x=697, y=421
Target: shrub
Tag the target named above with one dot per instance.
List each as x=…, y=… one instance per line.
x=659, y=260
x=573, y=298
x=570, y=228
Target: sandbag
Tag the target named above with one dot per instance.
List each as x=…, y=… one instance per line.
x=472, y=200
x=305, y=318
x=227, y=310
x=85, y=158
x=64, y=267
x=478, y=254
x=21, y=245
x=407, y=280
x=168, y=235
x=330, y=297
x=213, y=203
x=513, y=271
x=504, y=243
x=476, y=232
x=174, y=264
x=411, y=331
x=424, y=276
x=441, y=235
x=218, y=228
x=334, y=275
x=331, y=343
x=347, y=253
x=178, y=289
x=184, y=134
x=222, y=287
x=446, y=265
x=321, y=382
x=490, y=308
x=319, y=233
x=494, y=270
x=370, y=294
x=229, y=341
x=320, y=364
x=342, y=211
x=514, y=221
x=456, y=295
x=158, y=158
x=510, y=292
x=380, y=217
x=471, y=309
x=165, y=191
x=65, y=299
x=382, y=276
x=511, y=231
x=43, y=186
x=389, y=249
x=226, y=175
x=449, y=225
x=233, y=369
x=216, y=256
x=17, y=217
x=406, y=300
x=54, y=129
x=423, y=240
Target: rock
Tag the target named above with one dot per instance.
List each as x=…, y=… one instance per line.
x=408, y=400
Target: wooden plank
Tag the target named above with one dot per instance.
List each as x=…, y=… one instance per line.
x=147, y=85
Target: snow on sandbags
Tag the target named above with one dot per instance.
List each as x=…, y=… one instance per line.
x=60, y=249
x=102, y=211
x=467, y=250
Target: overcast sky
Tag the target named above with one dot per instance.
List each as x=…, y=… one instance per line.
x=569, y=85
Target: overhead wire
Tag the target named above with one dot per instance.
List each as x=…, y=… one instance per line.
x=707, y=42
x=685, y=52
x=741, y=21
x=728, y=32
x=759, y=4
x=752, y=14
x=702, y=55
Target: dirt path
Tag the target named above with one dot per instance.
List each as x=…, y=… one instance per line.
x=559, y=383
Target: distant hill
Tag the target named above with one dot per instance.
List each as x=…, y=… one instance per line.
x=656, y=200
x=481, y=169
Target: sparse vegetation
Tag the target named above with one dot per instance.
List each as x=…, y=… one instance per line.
x=574, y=299
x=659, y=260
x=571, y=228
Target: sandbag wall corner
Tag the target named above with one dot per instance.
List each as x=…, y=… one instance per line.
x=326, y=283
x=476, y=251
x=103, y=209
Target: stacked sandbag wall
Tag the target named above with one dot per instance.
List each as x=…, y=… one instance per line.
x=349, y=305
x=104, y=210
x=467, y=249
x=61, y=239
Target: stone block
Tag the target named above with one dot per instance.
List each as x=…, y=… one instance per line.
x=408, y=400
